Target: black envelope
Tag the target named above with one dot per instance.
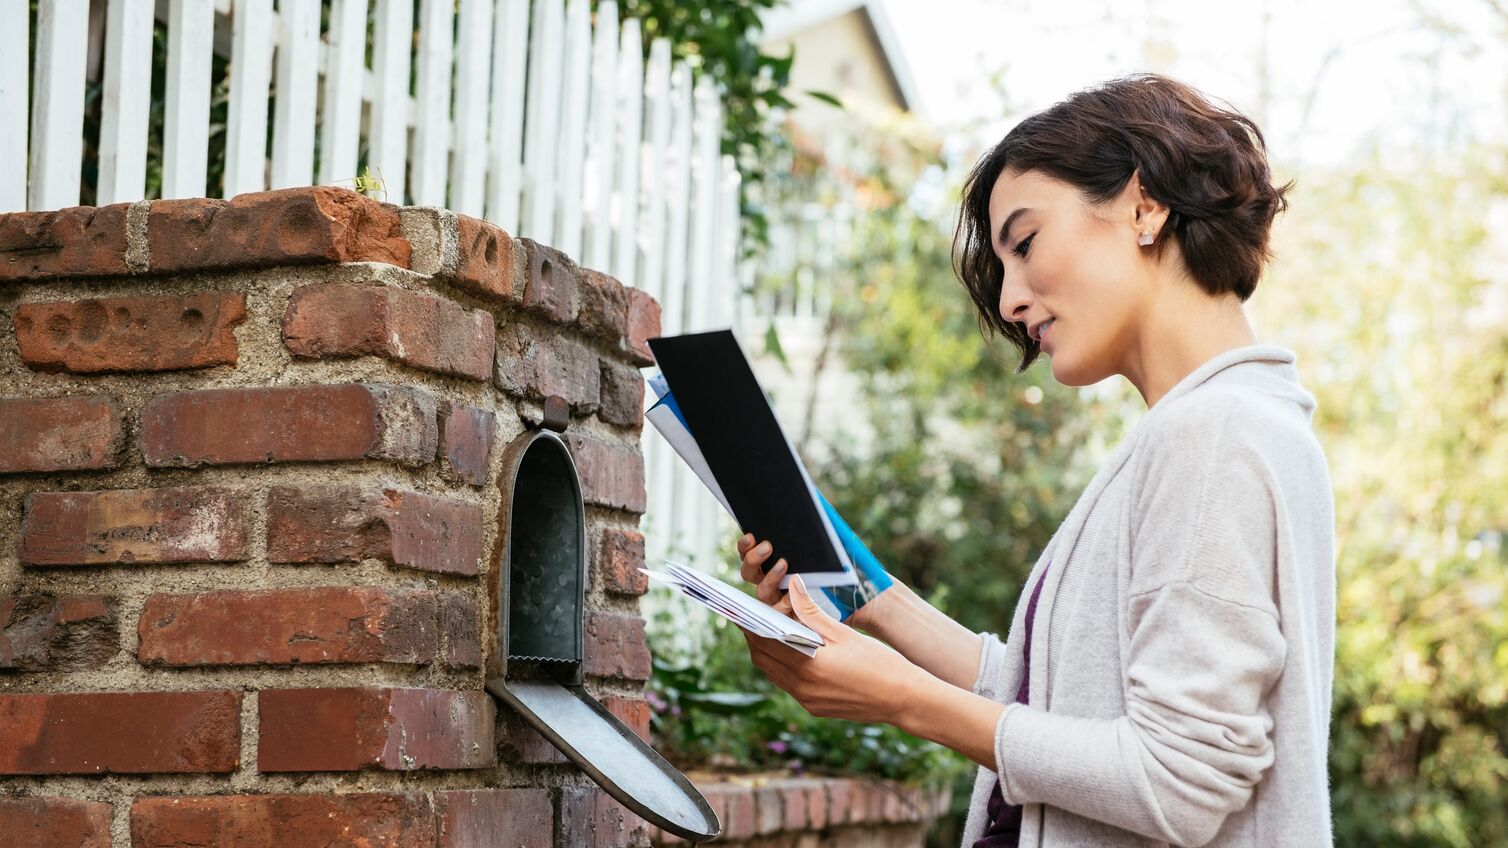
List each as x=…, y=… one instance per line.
x=755, y=465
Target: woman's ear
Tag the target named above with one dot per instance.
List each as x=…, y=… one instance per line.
x=1149, y=214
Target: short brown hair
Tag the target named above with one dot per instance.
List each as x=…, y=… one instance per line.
x=1207, y=164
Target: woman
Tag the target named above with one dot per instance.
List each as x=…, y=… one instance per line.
x=1168, y=679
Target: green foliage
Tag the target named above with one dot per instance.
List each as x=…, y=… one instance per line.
x=720, y=38
x=1395, y=301
x=719, y=710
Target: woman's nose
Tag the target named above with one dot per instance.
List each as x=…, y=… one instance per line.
x=1015, y=300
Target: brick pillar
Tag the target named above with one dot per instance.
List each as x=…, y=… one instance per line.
x=248, y=506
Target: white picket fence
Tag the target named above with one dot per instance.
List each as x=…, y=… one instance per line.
x=557, y=129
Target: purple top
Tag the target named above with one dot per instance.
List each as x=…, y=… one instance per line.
x=1004, y=820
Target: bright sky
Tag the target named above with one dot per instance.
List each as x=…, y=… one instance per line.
x=1369, y=66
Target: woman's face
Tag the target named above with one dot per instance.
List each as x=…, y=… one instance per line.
x=1077, y=264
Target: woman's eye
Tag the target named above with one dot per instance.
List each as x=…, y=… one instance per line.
x=1021, y=245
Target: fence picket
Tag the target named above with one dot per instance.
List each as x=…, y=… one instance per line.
x=678, y=206
x=505, y=145
x=625, y=209
x=246, y=130
x=432, y=103
x=703, y=284
x=297, y=75
x=731, y=309
x=125, y=102
x=571, y=158
x=651, y=241
x=601, y=147
x=543, y=125
x=185, y=131
x=345, y=65
x=15, y=84
x=57, y=126
x=468, y=186
x=392, y=58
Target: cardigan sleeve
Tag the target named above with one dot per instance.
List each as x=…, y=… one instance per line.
x=991, y=666
x=1204, y=649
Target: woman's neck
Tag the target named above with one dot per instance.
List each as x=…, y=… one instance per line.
x=1184, y=330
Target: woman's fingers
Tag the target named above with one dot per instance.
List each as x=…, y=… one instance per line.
x=753, y=559
x=767, y=584
x=769, y=587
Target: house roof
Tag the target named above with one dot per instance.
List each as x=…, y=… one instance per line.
x=786, y=21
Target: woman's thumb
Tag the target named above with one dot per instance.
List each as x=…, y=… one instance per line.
x=808, y=612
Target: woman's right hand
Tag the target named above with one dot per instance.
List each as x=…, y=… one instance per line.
x=767, y=585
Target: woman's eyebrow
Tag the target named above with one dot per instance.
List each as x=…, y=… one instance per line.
x=1006, y=227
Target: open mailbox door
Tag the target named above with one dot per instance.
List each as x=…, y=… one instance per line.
x=539, y=591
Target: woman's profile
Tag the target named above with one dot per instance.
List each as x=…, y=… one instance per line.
x=1167, y=677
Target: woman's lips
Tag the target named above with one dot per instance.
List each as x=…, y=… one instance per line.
x=1044, y=333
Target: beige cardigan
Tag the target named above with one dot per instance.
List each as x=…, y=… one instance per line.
x=1185, y=636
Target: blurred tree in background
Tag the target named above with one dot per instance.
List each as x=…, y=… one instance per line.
x=1394, y=292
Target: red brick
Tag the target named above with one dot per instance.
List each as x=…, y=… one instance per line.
x=495, y=818
x=643, y=325
x=589, y=816
x=124, y=526
x=52, y=822
x=270, y=228
x=391, y=729
x=346, y=524
x=70, y=633
x=485, y=265
x=283, y=626
x=550, y=283
x=769, y=812
x=734, y=805
x=289, y=424
x=521, y=743
x=615, y=646
x=841, y=802
x=59, y=434
x=101, y=335
x=604, y=307
x=620, y=555
x=460, y=631
x=466, y=442
x=120, y=732
x=633, y=712
x=793, y=800
x=535, y=364
x=611, y=475
x=366, y=820
x=428, y=332
x=622, y=396
x=816, y=803
x=81, y=241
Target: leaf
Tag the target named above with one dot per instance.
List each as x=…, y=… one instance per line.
x=725, y=702
x=772, y=347
x=825, y=97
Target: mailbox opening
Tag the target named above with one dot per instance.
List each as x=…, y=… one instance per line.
x=546, y=554
x=539, y=593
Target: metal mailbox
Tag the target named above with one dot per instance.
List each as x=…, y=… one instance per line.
x=539, y=592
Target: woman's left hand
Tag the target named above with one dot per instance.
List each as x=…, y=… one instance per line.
x=852, y=676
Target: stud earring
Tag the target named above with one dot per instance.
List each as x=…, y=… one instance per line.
x=1146, y=238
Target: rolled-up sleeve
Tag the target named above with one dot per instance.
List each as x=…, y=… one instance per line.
x=1205, y=648
x=991, y=666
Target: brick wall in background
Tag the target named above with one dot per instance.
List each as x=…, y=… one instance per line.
x=248, y=507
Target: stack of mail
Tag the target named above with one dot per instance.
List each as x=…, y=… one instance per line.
x=743, y=610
